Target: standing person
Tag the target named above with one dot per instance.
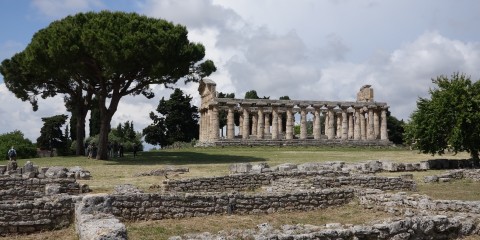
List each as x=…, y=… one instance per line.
x=12, y=154
x=89, y=150
x=120, y=151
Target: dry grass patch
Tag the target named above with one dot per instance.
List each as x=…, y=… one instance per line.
x=349, y=214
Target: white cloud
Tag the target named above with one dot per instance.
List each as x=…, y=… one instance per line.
x=61, y=8
x=18, y=115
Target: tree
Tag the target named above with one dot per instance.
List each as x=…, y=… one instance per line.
x=126, y=135
x=94, y=122
x=252, y=94
x=27, y=79
x=25, y=148
x=178, y=121
x=51, y=134
x=109, y=55
x=395, y=129
x=450, y=119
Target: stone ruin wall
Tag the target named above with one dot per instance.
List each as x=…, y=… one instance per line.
x=238, y=182
x=23, y=189
x=157, y=206
x=424, y=227
x=245, y=182
x=100, y=215
x=414, y=204
x=352, y=122
x=33, y=200
x=41, y=214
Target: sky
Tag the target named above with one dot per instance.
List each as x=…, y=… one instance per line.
x=306, y=49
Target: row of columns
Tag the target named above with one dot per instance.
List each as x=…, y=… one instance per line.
x=364, y=123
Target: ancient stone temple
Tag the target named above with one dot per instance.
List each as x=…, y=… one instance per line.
x=261, y=121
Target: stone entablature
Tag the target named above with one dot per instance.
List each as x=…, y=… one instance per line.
x=262, y=119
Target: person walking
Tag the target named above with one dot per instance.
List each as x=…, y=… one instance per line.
x=12, y=154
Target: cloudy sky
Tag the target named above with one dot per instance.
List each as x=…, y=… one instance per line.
x=306, y=49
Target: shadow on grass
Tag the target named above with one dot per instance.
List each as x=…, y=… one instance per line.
x=181, y=158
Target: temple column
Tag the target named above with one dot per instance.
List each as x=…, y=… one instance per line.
x=303, y=123
x=206, y=134
x=383, y=125
x=316, y=124
x=376, y=124
x=230, y=123
x=261, y=124
x=214, y=124
x=344, y=124
x=254, y=124
x=338, y=133
x=331, y=119
x=357, y=133
x=275, y=123
x=350, y=125
x=363, y=130
x=325, y=124
x=246, y=124
x=280, y=124
x=289, y=128
x=240, y=124
x=200, y=123
x=371, y=131
x=267, y=123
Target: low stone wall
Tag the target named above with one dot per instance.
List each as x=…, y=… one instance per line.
x=425, y=227
x=363, y=181
x=239, y=182
x=47, y=213
x=382, y=183
x=473, y=174
x=156, y=206
x=20, y=189
x=402, y=203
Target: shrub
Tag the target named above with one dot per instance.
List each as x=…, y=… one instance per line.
x=25, y=148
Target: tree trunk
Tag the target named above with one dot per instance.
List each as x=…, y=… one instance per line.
x=105, y=119
x=103, y=138
x=80, y=128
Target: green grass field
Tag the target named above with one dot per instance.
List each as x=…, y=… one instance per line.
x=215, y=162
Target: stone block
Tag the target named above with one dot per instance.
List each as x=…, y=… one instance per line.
x=424, y=165
x=430, y=179
x=52, y=189
x=390, y=166
x=56, y=172
x=286, y=167
x=258, y=168
x=240, y=168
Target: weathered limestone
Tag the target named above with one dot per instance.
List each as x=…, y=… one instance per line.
x=274, y=123
x=289, y=128
x=316, y=124
x=262, y=119
x=261, y=124
x=303, y=123
x=230, y=123
x=246, y=123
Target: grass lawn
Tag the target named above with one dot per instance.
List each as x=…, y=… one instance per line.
x=215, y=161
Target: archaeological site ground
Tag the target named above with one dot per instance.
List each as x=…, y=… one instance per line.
x=244, y=193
